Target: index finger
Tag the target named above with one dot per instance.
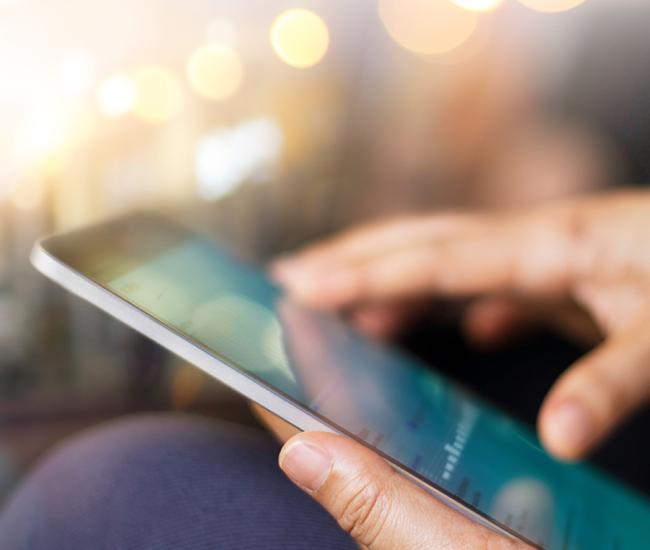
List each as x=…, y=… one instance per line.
x=372, y=240
x=531, y=254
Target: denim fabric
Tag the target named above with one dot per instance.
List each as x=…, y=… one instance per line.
x=165, y=482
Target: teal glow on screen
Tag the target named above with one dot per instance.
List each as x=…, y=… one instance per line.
x=484, y=458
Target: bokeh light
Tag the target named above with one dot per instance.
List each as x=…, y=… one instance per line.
x=552, y=5
x=479, y=42
x=215, y=72
x=116, y=95
x=427, y=27
x=478, y=5
x=300, y=38
x=159, y=95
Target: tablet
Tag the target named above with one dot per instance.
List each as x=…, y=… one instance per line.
x=199, y=299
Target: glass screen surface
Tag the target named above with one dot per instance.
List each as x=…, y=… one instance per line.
x=436, y=430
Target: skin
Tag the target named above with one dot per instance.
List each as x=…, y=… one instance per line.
x=585, y=264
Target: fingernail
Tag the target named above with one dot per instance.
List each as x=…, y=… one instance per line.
x=571, y=426
x=306, y=464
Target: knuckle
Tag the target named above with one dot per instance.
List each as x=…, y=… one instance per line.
x=365, y=512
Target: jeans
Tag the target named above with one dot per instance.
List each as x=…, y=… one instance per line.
x=165, y=482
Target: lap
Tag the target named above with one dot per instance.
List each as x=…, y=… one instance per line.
x=165, y=481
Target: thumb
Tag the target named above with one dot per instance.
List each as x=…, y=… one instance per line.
x=380, y=509
x=597, y=394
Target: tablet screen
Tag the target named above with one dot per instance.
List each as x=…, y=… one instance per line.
x=435, y=430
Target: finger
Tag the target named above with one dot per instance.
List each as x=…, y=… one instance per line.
x=368, y=241
x=379, y=508
x=491, y=322
x=386, y=321
x=377, y=322
x=282, y=430
x=615, y=307
x=597, y=394
x=519, y=254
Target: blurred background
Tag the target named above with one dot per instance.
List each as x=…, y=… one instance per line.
x=276, y=122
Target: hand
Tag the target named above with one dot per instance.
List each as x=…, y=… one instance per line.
x=594, y=252
x=380, y=509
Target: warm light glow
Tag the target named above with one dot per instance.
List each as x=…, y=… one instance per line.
x=27, y=196
x=551, y=5
x=158, y=95
x=473, y=46
x=116, y=95
x=427, y=26
x=222, y=32
x=478, y=5
x=77, y=73
x=215, y=72
x=43, y=130
x=300, y=38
